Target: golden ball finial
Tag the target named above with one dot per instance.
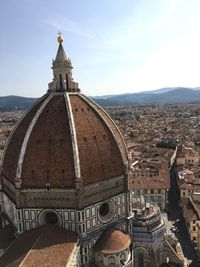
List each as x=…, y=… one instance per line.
x=60, y=38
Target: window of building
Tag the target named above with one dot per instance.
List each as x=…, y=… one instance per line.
x=106, y=211
x=141, y=260
x=83, y=215
x=20, y=227
x=32, y=214
x=72, y=213
x=100, y=258
x=66, y=215
x=93, y=211
x=19, y=215
x=26, y=213
x=87, y=213
x=122, y=257
x=93, y=222
x=51, y=218
x=111, y=260
x=88, y=224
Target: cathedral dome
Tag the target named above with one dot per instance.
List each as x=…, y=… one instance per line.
x=65, y=141
x=64, y=137
x=112, y=249
x=112, y=241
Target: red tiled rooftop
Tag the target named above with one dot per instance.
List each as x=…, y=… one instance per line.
x=112, y=241
x=45, y=246
x=158, y=182
x=99, y=154
x=14, y=146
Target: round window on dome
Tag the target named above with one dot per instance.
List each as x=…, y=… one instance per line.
x=106, y=211
x=51, y=218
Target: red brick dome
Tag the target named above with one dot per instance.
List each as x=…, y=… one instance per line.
x=112, y=241
x=64, y=137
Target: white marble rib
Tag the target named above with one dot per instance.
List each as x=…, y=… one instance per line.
x=73, y=137
x=27, y=136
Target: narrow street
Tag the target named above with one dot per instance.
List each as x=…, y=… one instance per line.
x=175, y=214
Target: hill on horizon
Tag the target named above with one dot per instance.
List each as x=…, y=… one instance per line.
x=12, y=102
x=169, y=95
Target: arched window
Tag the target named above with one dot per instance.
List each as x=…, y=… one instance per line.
x=111, y=260
x=158, y=254
x=51, y=218
x=99, y=258
x=122, y=257
x=141, y=260
x=67, y=82
x=61, y=84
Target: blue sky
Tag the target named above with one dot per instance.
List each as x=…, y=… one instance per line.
x=116, y=46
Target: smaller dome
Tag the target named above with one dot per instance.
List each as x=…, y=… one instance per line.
x=112, y=241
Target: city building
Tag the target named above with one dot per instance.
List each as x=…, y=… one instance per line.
x=65, y=196
x=186, y=155
x=191, y=214
x=198, y=239
x=150, y=178
x=153, y=242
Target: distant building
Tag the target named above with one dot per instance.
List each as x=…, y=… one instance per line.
x=191, y=214
x=188, y=181
x=186, y=155
x=150, y=178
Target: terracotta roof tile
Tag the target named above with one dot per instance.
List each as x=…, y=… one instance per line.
x=112, y=241
x=15, y=143
x=49, y=155
x=99, y=155
x=46, y=246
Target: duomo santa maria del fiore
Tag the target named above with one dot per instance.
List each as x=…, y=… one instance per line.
x=65, y=197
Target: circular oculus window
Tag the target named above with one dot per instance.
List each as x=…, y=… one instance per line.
x=49, y=217
x=106, y=211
